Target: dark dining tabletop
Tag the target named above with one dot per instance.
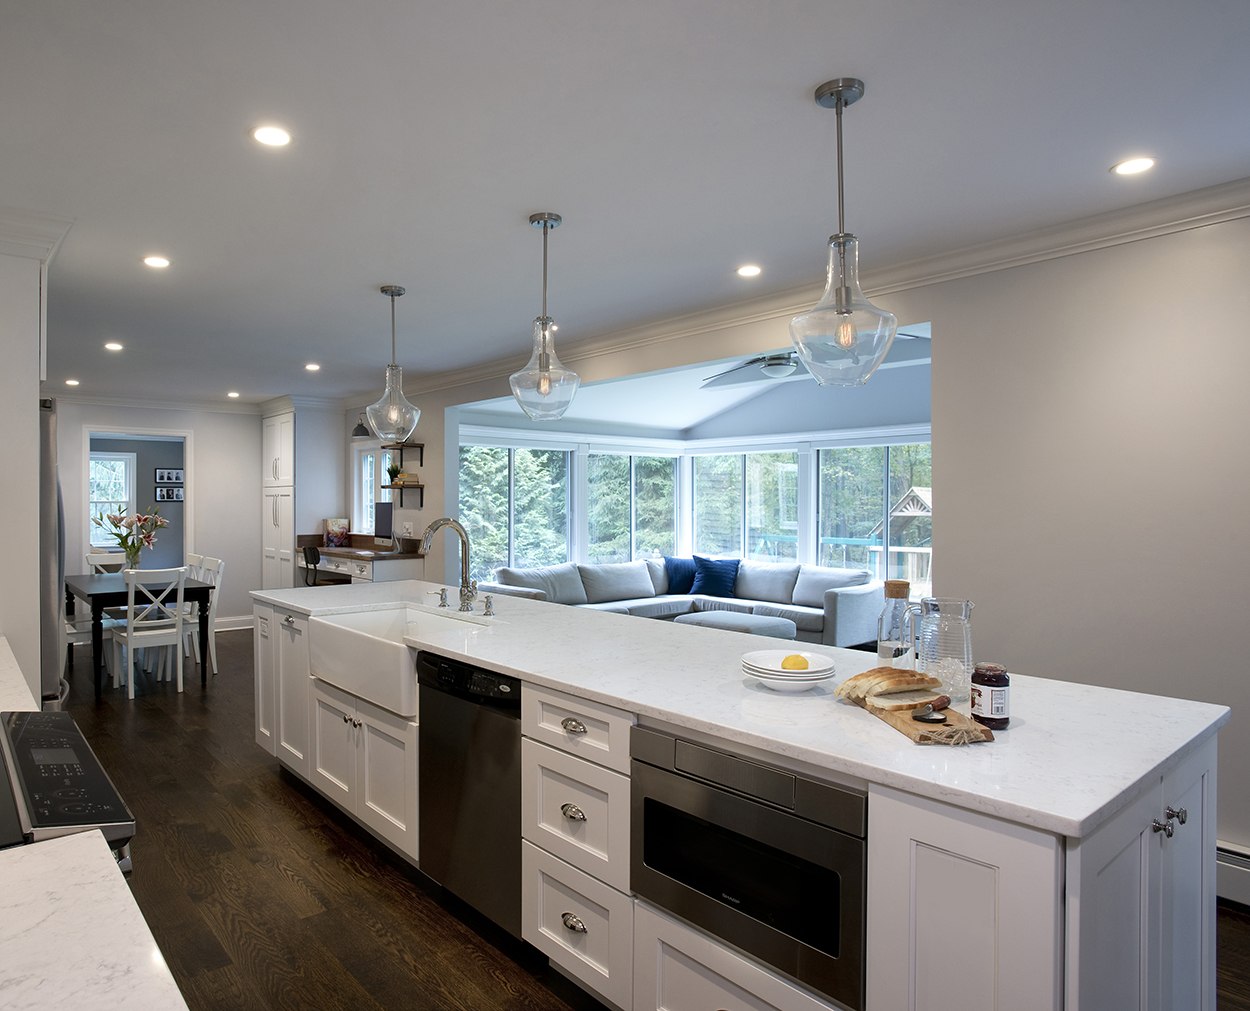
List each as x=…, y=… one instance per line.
x=108, y=589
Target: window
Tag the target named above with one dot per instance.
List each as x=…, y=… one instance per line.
x=368, y=477
x=749, y=499
x=631, y=506
x=875, y=508
x=514, y=504
x=111, y=489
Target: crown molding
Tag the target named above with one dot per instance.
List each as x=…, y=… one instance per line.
x=30, y=235
x=184, y=406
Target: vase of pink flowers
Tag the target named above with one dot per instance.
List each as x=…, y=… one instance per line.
x=133, y=533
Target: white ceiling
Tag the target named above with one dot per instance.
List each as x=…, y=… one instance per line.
x=678, y=140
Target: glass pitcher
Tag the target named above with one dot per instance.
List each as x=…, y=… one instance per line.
x=941, y=627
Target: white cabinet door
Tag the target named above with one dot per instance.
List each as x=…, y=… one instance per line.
x=581, y=924
x=1141, y=899
x=677, y=968
x=277, y=539
x=293, y=678
x=278, y=443
x=266, y=689
x=386, y=775
x=963, y=897
x=332, y=751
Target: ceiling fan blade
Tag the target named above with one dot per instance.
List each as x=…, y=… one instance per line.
x=741, y=365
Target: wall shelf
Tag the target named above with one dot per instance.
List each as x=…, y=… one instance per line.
x=401, y=448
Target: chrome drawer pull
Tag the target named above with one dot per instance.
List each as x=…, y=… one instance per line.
x=572, y=812
x=1181, y=815
x=573, y=726
x=1167, y=829
x=346, y=718
x=573, y=923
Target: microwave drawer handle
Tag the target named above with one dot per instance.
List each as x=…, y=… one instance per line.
x=572, y=812
x=573, y=725
x=573, y=922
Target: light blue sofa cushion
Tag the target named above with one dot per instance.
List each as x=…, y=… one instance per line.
x=664, y=606
x=806, y=619
x=814, y=580
x=561, y=583
x=763, y=581
x=659, y=575
x=616, y=581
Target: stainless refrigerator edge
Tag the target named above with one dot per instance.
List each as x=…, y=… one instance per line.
x=53, y=687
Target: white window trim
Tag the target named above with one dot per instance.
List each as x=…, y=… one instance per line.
x=131, y=479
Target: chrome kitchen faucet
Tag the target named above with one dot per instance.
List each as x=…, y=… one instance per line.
x=468, y=587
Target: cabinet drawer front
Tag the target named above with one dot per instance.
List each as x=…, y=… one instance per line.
x=578, y=811
x=597, y=733
x=581, y=924
x=361, y=571
x=679, y=967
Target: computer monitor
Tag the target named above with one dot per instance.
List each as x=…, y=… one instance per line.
x=382, y=519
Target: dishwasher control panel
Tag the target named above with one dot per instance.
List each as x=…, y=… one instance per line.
x=464, y=679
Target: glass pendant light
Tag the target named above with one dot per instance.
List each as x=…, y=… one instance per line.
x=393, y=418
x=544, y=388
x=844, y=337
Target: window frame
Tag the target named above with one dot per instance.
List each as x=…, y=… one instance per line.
x=132, y=480
x=362, y=508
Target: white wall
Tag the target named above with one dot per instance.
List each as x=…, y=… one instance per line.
x=320, y=472
x=223, y=500
x=1089, y=443
x=19, y=459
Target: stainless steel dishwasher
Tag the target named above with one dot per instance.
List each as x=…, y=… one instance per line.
x=469, y=780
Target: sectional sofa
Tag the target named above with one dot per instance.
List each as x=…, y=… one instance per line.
x=835, y=607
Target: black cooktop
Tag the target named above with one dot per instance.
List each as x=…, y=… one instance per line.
x=63, y=786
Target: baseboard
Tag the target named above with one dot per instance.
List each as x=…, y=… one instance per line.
x=234, y=624
x=1232, y=872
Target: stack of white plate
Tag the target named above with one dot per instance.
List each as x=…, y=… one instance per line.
x=764, y=666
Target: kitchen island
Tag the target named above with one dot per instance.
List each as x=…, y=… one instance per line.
x=1037, y=851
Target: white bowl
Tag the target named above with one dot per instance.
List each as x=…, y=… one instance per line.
x=770, y=660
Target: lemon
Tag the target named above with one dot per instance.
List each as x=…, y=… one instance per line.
x=794, y=662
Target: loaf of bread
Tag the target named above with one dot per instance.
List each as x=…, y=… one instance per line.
x=912, y=699
x=883, y=681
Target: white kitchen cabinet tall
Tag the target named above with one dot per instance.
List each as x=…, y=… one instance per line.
x=1142, y=935
x=278, y=443
x=277, y=540
x=364, y=758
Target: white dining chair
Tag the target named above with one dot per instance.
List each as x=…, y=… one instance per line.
x=211, y=571
x=154, y=617
x=105, y=561
x=78, y=633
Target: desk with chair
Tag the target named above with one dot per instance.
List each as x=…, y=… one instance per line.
x=108, y=589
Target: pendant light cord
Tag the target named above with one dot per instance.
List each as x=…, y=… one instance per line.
x=838, y=113
x=393, y=362
x=546, y=229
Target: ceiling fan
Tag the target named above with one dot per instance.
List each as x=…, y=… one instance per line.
x=778, y=365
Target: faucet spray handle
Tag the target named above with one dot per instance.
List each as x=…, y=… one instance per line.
x=489, y=610
x=442, y=596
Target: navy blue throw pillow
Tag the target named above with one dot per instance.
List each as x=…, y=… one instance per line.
x=715, y=576
x=680, y=572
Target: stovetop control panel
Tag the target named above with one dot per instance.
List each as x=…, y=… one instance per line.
x=62, y=780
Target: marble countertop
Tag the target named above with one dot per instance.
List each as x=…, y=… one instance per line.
x=71, y=934
x=15, y=694
x=370, y=554
x=1073, y=755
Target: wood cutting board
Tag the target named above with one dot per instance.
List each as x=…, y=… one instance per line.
x=958, y=728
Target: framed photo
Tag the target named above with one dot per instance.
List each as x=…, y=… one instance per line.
x=164, y=494
x=165, y=475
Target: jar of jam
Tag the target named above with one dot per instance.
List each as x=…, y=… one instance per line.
x=991, y=695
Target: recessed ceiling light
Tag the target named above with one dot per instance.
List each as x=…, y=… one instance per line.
x=71, y=382
x=156, y=262
x=233, y=394
x=271, y=136
x=113, y=346
x=749, y=270
x=1132, y=166
x=312, y=367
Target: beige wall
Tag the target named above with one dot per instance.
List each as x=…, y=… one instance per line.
x=1089, y=441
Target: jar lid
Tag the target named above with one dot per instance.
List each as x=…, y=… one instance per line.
x=989, y=668
x=897, y=589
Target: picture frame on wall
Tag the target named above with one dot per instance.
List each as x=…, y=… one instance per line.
x=168, y=494
x=167, y=475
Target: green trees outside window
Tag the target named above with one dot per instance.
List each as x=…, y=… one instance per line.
x=514, y=503
x=631, y=506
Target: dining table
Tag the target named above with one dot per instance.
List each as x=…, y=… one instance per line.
x=108, y=589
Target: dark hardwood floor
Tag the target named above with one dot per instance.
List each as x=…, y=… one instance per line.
x=263, y=895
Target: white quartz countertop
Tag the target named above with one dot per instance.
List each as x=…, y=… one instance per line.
x=71, y=935
x=1073, y=755
x=15, y=694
